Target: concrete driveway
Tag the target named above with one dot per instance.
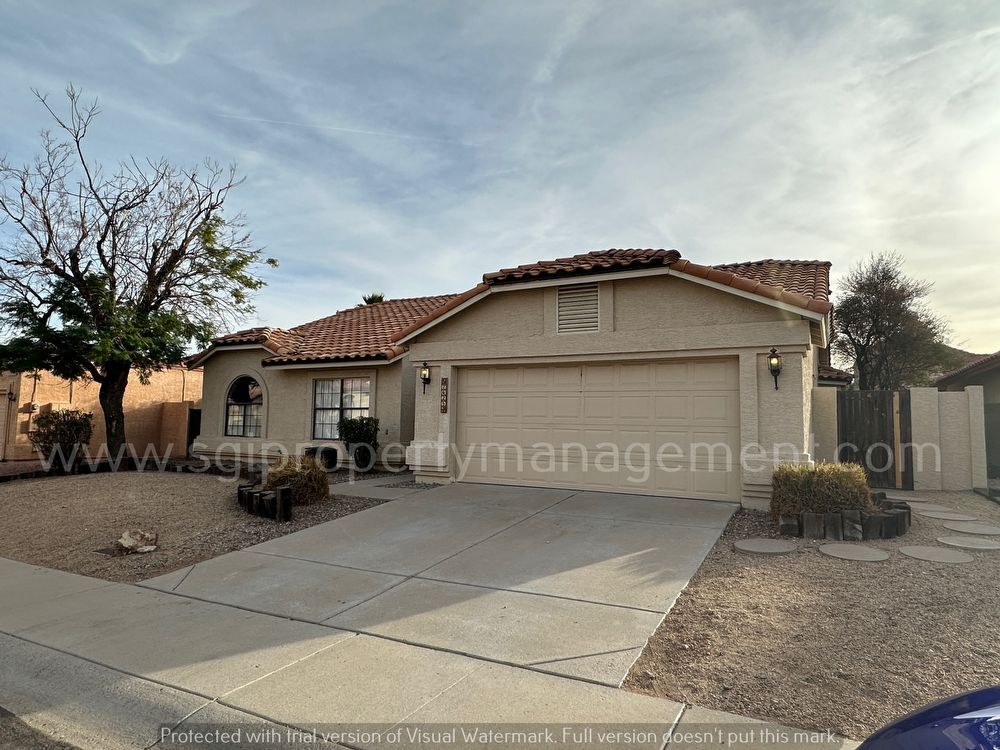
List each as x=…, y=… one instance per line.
x=481, y=605
x=570, y=583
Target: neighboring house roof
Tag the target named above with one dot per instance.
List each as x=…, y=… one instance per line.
x=800, y=283
x=835, y=375
x=982, y=364
x=357, y=333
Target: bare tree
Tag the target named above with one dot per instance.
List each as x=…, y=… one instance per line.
x=886, y=329
x=107, y=271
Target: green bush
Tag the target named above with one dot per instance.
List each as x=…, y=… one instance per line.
x=821, y=488
x=361, y=437
x=307, y=480
x=61, y=435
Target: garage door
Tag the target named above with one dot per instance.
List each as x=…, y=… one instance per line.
x=665, y=428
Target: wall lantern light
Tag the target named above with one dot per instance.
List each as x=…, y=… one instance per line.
x=774, y=365
x=11, y=396
x=425, y=375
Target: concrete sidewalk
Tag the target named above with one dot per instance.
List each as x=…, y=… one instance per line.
x=107, y=665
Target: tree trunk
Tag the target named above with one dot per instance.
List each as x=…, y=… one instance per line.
x=112, y=397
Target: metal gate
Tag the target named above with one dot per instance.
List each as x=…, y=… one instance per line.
x=873, y=429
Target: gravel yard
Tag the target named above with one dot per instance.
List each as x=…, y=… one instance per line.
x=60, y=522
x=815, y=642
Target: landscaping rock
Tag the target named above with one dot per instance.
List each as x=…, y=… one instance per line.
x=135, y=541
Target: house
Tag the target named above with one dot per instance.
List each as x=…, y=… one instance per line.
x=604, y=359
x=160, y=416
x=983, y=370
x=271, y=391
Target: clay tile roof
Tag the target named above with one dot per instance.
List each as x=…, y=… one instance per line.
x=979, y=363
x=802, y=283
x=810, y=278
x=826, y=372
x=357, y=333
x=598, y=261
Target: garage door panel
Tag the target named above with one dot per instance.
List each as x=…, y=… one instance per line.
x=634, y=406
x=601, y=377
x=674, y=407
x=567, y=407
x=598, y=407
x=591, y=415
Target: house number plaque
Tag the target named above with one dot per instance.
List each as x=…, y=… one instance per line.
x=444, y=395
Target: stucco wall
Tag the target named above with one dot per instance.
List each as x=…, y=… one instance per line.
x=144, y=407
x=824, y=421
x=949, y=439
x=651, y=317
x=287, y=409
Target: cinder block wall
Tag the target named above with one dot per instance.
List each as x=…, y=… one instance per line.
x=949, y=439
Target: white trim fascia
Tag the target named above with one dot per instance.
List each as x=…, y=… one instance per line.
x=442, y=318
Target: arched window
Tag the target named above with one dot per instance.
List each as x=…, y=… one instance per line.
x=244, y=408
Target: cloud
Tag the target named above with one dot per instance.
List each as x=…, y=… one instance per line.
x=411, y=147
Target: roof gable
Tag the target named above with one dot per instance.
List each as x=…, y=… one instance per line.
x=802, y=284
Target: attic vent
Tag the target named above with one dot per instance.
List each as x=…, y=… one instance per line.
x=577, y=309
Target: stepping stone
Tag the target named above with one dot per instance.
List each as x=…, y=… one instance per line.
x=762, y=546
x=854, y=552
x=936, y=554
x=974, y=527
x=945, y=515
x=930, y=506
x=969, y=542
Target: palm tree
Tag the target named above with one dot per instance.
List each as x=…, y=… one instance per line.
x=372, y=298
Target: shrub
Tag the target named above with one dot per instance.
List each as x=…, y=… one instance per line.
x=360, y=435
x=307, y=480
x=821, y=488
x=60, y=436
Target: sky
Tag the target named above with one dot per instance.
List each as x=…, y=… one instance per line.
x=411, y=147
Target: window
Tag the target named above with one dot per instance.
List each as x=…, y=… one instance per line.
x=334, y=400
x=244, y=408
x=577, y=309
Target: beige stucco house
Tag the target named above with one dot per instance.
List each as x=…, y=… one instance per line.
x=625, y=370
x=157, y=413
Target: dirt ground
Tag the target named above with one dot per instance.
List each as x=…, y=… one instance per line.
x=60, y=522
x=810, y=641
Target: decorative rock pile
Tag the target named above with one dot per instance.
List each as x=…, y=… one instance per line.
x=890, y=521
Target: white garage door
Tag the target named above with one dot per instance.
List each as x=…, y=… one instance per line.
x=664, y=428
